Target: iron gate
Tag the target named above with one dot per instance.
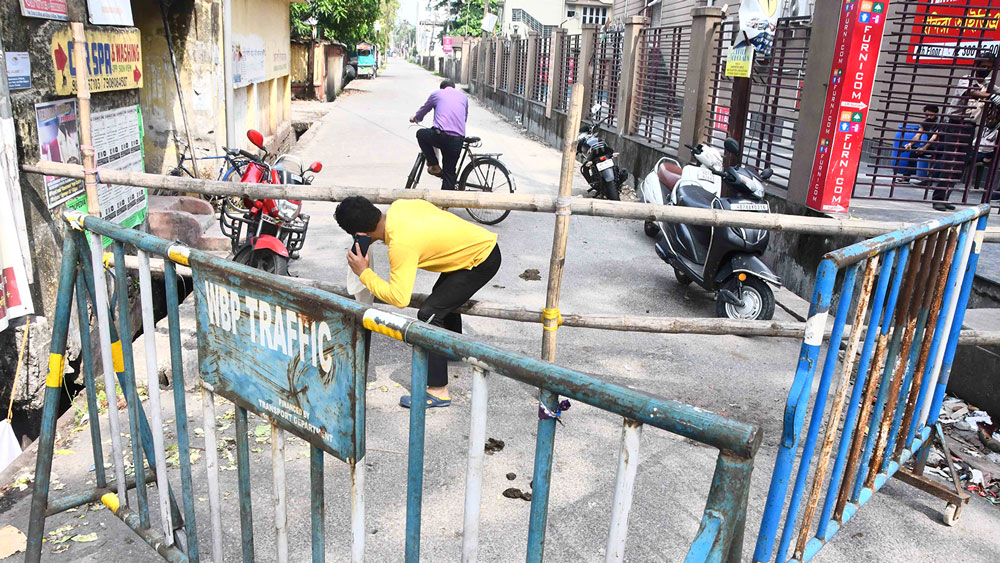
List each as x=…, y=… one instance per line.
x=661, y=72
x=607, y=74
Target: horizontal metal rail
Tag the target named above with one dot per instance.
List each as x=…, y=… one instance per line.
x=534, y=203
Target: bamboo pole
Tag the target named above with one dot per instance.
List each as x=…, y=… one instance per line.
x=89, y=168
x=321, y=191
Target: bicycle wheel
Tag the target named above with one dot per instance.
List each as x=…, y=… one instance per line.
x=233, y=175
x=414, y=178
x=487, y=174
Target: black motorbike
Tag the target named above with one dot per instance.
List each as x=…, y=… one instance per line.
x=598, y=161
x=726, y=260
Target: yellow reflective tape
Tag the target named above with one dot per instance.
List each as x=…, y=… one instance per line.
x=111, y=501
x=552, y=314
x=179, y=254
x=107, y=259
x=56, y=365
x=75, y=219
x=116, y=356
x=382, y=322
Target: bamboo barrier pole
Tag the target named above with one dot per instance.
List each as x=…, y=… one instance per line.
x=623, y=323
x=89, y=168
x=322, y=191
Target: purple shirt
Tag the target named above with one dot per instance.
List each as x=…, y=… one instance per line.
x=451, y=109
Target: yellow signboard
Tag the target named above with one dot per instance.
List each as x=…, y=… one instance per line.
x=739, y=60
x=114, y=60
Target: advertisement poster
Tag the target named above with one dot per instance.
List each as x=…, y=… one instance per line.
x=58, y=142
x=446, y=44
x=842, y=131
x=18, y=70
x=114, y=59
x=739, y=60
x=110, y=12
x=758, y=20
x=249, y=60
x=49, y=9
x=15, y=262
x=954, y=31
x=117, y=138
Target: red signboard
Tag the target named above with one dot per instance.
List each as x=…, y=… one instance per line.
x=51, y=9
x=954, y=31
x=842, y=131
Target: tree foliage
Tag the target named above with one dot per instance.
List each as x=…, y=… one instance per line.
x=347, y=21
x=465, y=17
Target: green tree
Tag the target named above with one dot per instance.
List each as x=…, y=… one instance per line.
x=348, y=21
x=465, y=16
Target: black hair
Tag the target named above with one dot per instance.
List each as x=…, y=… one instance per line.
x=357, y=215
x=447, y=83
x=932, y=108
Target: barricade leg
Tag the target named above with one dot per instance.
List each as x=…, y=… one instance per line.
x=474, y=471
x=212, y=470
x=358, y=511
x=415, y=465
x=128, y=384
x=280, y=504
x=180, y=409
x=718, y=539
x=243, y=479
x=53, y=387
x=621, y=504
x=317, y=504
x=87, y=361
x=542, y=475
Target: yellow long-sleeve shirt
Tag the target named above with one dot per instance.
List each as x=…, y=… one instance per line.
x=419, y=235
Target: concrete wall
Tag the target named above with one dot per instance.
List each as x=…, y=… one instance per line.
x=44, y=228
x=196, y=31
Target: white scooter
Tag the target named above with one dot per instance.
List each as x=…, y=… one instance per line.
x=726, y=260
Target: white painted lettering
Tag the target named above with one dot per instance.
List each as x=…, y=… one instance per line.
x=210, y=304
x=324, y=334
x=222, y=297
x=279, y=330
x=251, y=304
x=312, y=342
x=234, y=303
x=265, y=324
x=302, y=341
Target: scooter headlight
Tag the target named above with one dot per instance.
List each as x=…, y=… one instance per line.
x=754, y=185
x=288, y=211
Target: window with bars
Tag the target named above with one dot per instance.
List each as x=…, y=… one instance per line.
x=594, y=15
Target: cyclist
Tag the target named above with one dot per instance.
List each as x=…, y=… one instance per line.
x=451, y=111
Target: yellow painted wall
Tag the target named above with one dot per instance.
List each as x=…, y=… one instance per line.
x=300, y=62
x=268, y=102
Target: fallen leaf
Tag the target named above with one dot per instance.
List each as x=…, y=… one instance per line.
x=262, y=430
x=60, y=548
x=64, y=452
x=202, y=499
x=199, y=432
x=61, y=530
x=85, y=538
x=12, y=541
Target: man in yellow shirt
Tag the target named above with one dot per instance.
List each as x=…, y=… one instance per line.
x=419, y=235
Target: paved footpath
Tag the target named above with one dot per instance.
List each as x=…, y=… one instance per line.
x=365, y=140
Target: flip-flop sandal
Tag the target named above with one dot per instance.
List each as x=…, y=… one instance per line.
x=432, y=401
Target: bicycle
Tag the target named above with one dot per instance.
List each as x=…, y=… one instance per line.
x=480, y=173
x=231, y=170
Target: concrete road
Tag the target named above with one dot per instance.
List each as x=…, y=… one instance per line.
x=365, y=140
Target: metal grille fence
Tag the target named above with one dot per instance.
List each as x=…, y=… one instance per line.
x=659, y=83
x=491, y=64
x=775, y=93
x=607, y=73
x=504, y=64
x=568, y=66
x=475, y=61
x=540, y=93
x=907, y=152
x=520, y=66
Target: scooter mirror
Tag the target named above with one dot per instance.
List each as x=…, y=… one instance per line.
x=731, y=145
x=766, y=173
x=256, y=138
x=316, y=167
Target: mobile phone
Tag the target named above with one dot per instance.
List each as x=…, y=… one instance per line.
x=363, y=241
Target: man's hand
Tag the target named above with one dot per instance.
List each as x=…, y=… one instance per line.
x=356, y=261
x=413, y=119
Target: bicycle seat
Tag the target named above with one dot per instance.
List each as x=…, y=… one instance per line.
x=472, y=140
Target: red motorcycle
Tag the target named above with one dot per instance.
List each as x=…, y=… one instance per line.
x=266, y=233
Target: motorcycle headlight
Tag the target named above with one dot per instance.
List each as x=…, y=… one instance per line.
x=288, y=211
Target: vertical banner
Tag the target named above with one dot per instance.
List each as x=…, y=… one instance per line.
x=447, y=44
x=842, y=131
x=58, y=142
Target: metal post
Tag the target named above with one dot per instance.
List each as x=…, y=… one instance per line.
x=358, y=511
x=87, y=362
x=280, y=505
x=317, y=504
x=474, y=471
x=628, y=464
x=415, y=463
x=153, y=386
x=53, y=390
x=212, y=469
x=243, y=483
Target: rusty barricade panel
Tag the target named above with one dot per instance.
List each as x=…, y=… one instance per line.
x=899, y=300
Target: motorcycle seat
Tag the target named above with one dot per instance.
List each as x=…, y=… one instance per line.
x=691, y=195
x=472, y=140
x=669, y=173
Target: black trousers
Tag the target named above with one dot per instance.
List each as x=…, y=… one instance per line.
x=451, y=149
x=450, y=292
x=956, y=145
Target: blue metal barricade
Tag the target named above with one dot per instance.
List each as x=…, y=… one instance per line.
x=900, y=301
x=308, y=378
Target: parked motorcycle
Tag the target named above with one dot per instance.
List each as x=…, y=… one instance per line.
x=266, y=233
x=597, y=158
x=726, y=260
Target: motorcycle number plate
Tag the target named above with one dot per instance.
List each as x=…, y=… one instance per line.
x=606, y=164
x=748, y=206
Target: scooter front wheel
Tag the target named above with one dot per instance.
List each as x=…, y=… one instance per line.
x=758, y=302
